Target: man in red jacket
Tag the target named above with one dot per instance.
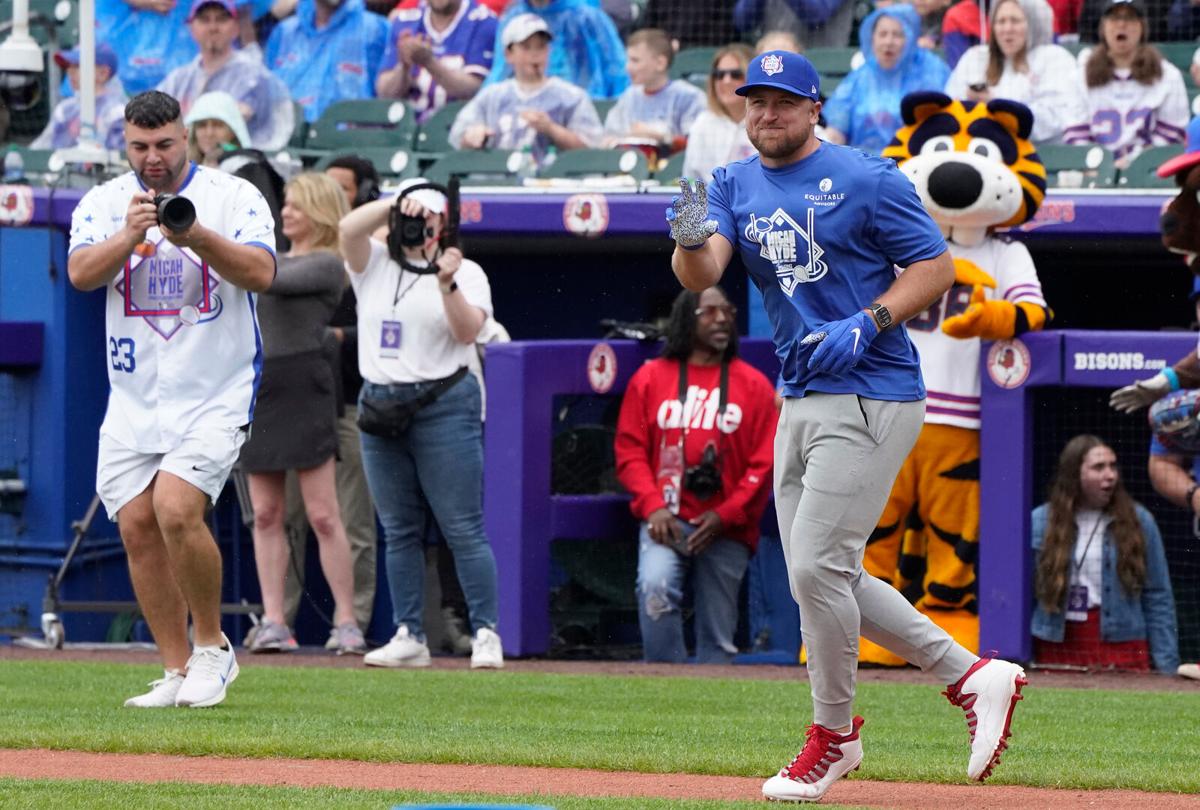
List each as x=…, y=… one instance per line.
x=694, y=448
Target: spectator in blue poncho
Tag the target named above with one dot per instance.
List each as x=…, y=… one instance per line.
x=149, y=41
x=865, y=109
x=587, y=51
x=328, y=51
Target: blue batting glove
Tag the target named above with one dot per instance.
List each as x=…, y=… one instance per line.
x=843, y=345
x=688, y=215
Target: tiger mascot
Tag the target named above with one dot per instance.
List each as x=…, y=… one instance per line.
x=976, y=171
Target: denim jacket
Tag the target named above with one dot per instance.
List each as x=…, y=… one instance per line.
x=1150, y=615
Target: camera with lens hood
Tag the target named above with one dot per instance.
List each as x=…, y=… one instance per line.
x=175, y=213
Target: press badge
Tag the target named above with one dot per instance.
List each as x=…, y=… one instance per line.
x=389, y=339
x=1077, y=603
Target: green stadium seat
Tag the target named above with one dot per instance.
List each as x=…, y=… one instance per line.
x=391, y=163
x=300, y=133
x=364, y=122
x=1178, y=54
x=691, y=64
x=434, y=134
x=580, y=163
x=1094, y=163
x=831, y=61
x=1142, y=172
x=671, y=171
x=496, y=167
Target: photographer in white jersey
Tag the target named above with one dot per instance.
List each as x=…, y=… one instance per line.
x=180, y=250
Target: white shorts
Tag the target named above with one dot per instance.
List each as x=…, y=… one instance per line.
x=203, y=459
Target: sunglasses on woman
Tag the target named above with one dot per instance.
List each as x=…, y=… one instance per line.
x=734, y=73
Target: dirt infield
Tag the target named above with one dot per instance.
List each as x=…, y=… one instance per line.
x=500, y=780
x=513, y=781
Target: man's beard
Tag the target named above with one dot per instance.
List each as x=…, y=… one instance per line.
x=167, y=182
x=781, y=148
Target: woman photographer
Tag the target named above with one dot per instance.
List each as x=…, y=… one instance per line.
x=420, y=307
x=296, y=411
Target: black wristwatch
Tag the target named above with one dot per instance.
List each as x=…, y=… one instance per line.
x=883, y=316
x=447, y=290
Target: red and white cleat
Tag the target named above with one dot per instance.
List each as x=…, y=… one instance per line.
x=988, y=693
x=826, y=758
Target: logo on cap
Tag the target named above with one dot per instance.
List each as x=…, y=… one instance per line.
x=771, y=64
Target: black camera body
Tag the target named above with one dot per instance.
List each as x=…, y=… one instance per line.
x=174, y=212
x=704, y=480
x=413, y=232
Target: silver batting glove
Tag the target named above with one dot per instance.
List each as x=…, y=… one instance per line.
x=1141, y=394
x=688, y=215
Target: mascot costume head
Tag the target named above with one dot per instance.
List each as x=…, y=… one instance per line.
x=1180, y=222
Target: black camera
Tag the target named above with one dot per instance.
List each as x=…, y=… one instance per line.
x=412, y=231
x=704, y=480
x=174, y=212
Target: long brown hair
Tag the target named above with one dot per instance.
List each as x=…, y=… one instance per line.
x=1052, y=574
x=1146, y=67
x=740, y=51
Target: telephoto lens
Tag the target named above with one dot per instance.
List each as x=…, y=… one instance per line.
x=174, y=212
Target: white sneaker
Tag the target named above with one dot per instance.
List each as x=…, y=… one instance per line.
x=988, y=693
x=1189, y=671
x=402, y=651
x=210, y=671
x=486, y=650
x=162, y=692
x=827, y=757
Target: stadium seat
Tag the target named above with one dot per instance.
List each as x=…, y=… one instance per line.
x=1142, y=171
x=434, y=134
x=391, y=163
x=671, y=171
x=580, y=163
x=693, y=64
x=300, y=132
x=364, y=122
x=497, y=167
x=1178, y=54
x=603, y=105
x=831, y=61
x=1094, y=163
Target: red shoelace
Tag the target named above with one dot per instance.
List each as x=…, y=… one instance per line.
x=821, y=749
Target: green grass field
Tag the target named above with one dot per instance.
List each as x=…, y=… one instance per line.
x=1062, y=738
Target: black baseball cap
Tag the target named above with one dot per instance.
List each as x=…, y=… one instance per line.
x=1137, y=6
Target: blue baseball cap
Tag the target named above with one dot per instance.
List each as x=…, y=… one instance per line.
x=104, y=56
x=229, y=5
x=1191, y=153
x=783, y=70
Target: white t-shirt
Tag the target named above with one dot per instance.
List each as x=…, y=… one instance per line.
x=1087, y=558
x=183, y=346
x=713, y=141
x=421, y=347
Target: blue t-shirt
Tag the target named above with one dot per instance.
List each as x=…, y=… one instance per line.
x=465, y=45
x=821, y=239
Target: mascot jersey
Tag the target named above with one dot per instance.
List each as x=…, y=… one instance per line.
x=950, y=365
x=183, y=343
x=820, y=239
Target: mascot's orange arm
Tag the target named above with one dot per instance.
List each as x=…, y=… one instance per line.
x=997, y=320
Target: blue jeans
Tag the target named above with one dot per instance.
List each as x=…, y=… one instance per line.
x=716, y=579
x=440, y=458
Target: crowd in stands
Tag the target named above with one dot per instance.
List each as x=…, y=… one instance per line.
x=534, y=71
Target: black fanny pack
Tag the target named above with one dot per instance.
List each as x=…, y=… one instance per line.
x=391, y=418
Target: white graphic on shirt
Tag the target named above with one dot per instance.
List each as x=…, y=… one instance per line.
x=780, y=239
x=699, y=412
x=168, y=287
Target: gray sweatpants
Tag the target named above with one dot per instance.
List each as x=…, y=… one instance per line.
x=836, y=457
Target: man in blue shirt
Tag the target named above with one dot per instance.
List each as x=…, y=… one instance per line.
x=821, y=229
x=437, y=52
x=328, y=51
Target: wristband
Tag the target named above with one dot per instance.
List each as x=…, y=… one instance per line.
x=447, y=290
x=693, y=247
x=1172, y=378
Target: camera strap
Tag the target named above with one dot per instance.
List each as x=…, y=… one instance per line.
x=722, y=393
